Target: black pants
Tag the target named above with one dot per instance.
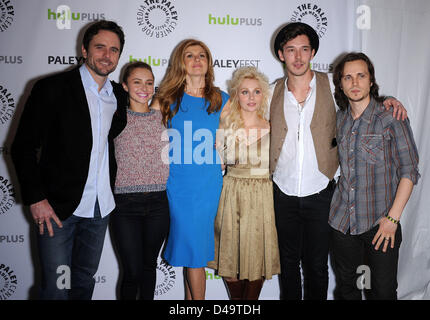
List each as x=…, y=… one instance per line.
x=303, y=236
x=139, y=226
x=348, y=252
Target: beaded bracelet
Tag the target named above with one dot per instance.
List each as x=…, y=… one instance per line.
x=392, y=219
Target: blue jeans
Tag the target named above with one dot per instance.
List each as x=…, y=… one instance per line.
x=70, y=259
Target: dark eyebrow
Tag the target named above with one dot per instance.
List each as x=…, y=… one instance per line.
x=305, y=46
x=103, y=45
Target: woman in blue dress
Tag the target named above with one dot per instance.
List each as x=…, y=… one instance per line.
x=191, y=106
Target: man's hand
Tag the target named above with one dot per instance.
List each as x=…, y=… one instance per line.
x=386, y=234
x=42, y=213
x=399, y=111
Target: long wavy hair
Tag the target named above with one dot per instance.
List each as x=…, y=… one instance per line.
x=233, y=120
x=173, y=85
x=340, y=97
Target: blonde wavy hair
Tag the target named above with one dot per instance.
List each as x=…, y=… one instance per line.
x=233, y=120
x=172, y=87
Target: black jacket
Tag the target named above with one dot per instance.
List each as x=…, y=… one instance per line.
x=52, y=147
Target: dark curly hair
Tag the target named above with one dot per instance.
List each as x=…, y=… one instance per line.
x=94, y=29
x=340, y=97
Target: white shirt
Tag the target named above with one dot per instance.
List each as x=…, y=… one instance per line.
x=102, y=105
x=296, y=172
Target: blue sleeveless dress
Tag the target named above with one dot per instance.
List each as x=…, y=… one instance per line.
x=194, y=184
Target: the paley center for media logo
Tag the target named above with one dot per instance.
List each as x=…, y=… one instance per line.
x=8, y=281
x=312, y=14
x=157, y=18
x=166, y=276
x=7, y=105
x=7, y=14
x=7, y=195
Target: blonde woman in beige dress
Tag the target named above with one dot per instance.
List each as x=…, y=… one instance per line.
x=246, y=245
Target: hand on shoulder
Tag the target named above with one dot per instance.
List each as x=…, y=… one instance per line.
x=155, y=104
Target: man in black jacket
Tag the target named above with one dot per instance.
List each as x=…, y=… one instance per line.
x=71, y=118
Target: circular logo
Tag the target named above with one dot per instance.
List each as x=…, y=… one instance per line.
x=7, y=105
x=7, y=195
x=8, y=282
x=7, y=13
x=158, y=18
x=313, y=15
x=166, y=278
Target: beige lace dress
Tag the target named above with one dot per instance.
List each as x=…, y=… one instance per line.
x=246, y=243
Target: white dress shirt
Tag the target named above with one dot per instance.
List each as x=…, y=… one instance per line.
x=102, y=105
x=296, y=172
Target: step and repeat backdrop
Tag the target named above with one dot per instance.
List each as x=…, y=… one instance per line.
x=43, y=37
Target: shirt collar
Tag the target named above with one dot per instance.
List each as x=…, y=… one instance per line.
x=367, y=113
x=89, y=82
x=312, y=84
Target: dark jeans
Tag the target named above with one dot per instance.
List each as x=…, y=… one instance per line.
x=139, y=227
x=70, y=259
x=348, y=252
x=303, y=236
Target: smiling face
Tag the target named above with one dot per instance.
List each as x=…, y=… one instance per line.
x=140, y=86
x=196, y=61
x=103, y=53
x=297, y=54
x=355, y=81
x=250, y=95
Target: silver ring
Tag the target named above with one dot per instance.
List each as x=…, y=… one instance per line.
x=40, y=222
x=387, y=239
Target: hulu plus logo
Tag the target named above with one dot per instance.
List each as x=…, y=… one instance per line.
x=64, y=16
x=153, y=62
x=232, y=21
x=211, y=276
